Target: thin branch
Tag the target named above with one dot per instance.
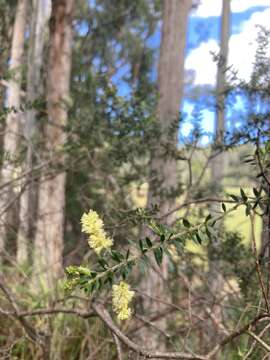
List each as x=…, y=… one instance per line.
x=258, y=268
x=148, y=354
x=254, y=343
x=260, y=341
x=78, y=312
x=36, y=337
x=194, y=202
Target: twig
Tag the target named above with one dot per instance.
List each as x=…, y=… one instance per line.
x=23, y=314
x=258, y=268
x=259, y=340
x=254, y=343
x=39, y=338
x=148, y=354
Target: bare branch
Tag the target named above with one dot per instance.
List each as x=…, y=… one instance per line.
x=148, y=354
x=259, y=340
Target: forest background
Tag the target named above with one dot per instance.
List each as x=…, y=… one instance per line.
x=134, y=193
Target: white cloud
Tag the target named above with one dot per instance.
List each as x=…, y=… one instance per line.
x=239, y=6
x=242, y=49
x=208, y=8
x=213, y=7
x=201, y=61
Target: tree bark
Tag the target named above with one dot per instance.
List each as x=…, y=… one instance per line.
x=218, y=161
x=163, y=183
x=38, y=33
x=12, y=129
x=215, y=278
x=49, y=234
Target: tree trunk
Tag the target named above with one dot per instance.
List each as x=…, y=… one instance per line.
x=215, y=278
x=218, y=161
x=40, y=17
x=12, y=129
x=163, y=183
x=49, y=234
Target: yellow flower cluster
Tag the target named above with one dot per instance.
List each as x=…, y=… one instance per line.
x=93, y=226
x=121, y=298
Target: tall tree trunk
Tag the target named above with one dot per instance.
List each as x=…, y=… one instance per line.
x=163, y=183
x=218, y=161
x=215, y=278
x=49, y=234
x=40, y=17
x=12, y=129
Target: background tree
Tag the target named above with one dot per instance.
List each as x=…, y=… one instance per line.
x=164, y=181
x=12, y=128
x=93, y=153
x=51, y=197
x=34, y=92
x=216, y=279
x=220, y=119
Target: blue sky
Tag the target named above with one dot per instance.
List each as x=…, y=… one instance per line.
x=203, y=37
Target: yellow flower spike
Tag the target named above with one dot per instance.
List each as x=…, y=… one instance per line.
x=93, y=226
x=121, y=297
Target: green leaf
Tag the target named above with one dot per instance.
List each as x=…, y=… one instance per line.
x=212, y=231
x=157, y=228
x=256, y=192
x=92, y=287
x=186, y=223
x=130, y=266
x=198, y=238
x=255, y=204
x=178, y=245
x=127, y=255
x=243, y=195
x=93, y=274
x=208, y=232
x=158, y=253
x=248, y=209
x=103, y=263
x=99, y=284
x=162, y=237
x=148, y=242
x=109, y=278
x=166, y=251
x=234, y=197
x=124, y=273
x=115, y=256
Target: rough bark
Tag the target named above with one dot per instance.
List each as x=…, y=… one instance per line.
x=163, y=183
x=49, y=234
x=12, y=128
x=38, y=33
